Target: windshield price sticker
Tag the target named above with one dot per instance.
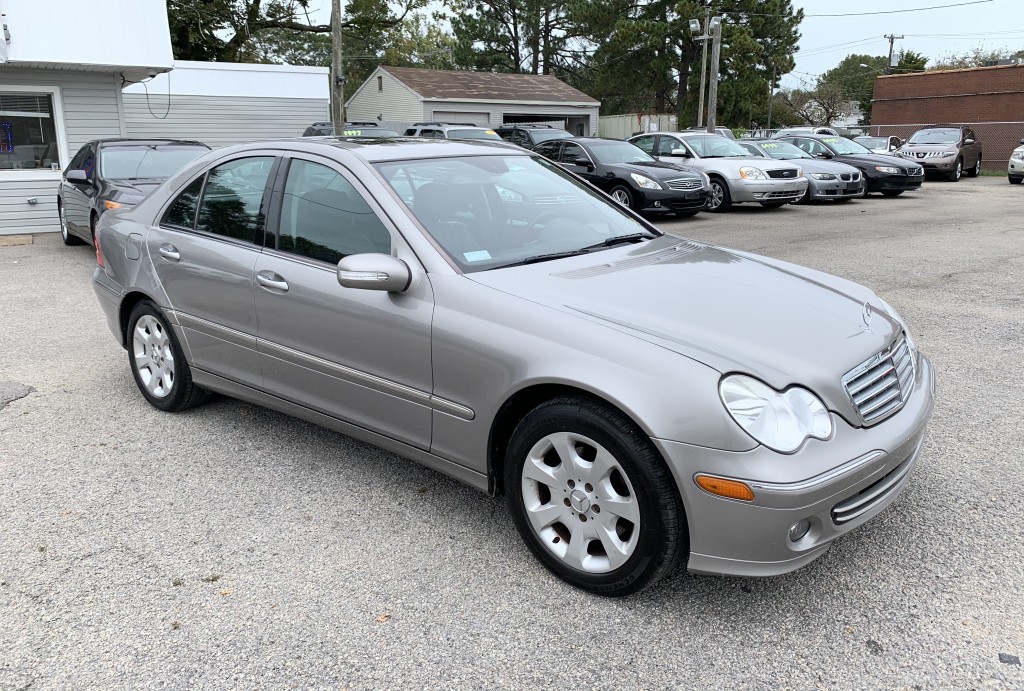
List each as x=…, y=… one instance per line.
x=769, y=146
x=353, y=133
x=479, y=256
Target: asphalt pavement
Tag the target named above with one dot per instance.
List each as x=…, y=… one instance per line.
x=234, y=547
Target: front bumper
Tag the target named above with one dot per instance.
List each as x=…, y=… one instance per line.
x=865, y=467
x=886, y=182
x=673, y=200
x=835, y=189
x=773, y=190
x=1015, y=168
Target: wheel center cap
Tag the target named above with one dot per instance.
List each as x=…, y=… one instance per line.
x=579, y=500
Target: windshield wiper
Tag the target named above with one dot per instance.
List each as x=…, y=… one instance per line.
x=618, y=240
x=536, y=259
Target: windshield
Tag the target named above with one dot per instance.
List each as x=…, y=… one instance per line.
x=716, y=146
x=473, y=134
x=488, y=212
x=873, y=142
x=948, y=136
x=612, y=152
x=547, y=135
x=841, y=145
x=783, y=151
x=152, y=162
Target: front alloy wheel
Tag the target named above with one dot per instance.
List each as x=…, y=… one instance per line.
x=622, y=196
x=720, y=199
x=592, y=498
x=958, y=169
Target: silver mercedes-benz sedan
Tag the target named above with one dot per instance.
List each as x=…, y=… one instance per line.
x=642, y=400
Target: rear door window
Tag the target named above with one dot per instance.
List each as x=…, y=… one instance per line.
x=233, y=201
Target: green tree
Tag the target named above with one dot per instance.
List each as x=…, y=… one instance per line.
x=854, y=77
x=975, y=57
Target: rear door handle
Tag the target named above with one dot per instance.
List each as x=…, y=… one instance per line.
x=269, y=279
x=169, y=252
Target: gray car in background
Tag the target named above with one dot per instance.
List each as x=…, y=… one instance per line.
x=737, y=176
x=827, y=180
x=946, y=150
x=642, y=400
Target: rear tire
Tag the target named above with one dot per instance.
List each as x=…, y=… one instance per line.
x=157, y=361
x=65, y=233
x=592, y=498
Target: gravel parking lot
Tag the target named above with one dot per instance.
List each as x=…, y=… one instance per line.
x=233, y=547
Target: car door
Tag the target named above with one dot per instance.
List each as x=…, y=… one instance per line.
x=359, y=355
x=973, y=149
x=645, y=143
x=573, y=152
x=549, y=150
x=78, y=196
x=204, y=251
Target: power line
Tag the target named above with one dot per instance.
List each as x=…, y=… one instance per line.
x=864, y=14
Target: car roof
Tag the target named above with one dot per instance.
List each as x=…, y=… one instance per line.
x=372, y=150
x=150, y=142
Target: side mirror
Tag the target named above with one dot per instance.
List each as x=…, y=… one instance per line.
x=823, y=154
x=968, y=141
x=583, y=163
x=77, y=176
x=374, y=272
x=681, y=152
x=893, y=147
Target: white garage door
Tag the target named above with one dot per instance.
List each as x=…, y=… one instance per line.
x=481, y=119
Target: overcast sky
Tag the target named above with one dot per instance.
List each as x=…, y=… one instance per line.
x=935, y=32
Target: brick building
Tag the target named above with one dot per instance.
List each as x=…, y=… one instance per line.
x=989, y=99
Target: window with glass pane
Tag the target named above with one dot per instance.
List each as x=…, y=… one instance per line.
x=182, y=213
x=323, y=216
x=233, y=199
x=28, y=132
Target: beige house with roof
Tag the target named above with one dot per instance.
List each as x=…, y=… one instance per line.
x=413, y=94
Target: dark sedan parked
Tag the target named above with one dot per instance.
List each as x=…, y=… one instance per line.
x=113, y=174
x=886, y=174
x=630, y=176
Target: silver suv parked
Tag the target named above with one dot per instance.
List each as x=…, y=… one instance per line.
x=451, y=130
x=948, y=150
x=737, y=176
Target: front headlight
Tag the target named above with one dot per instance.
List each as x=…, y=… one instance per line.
x=779, y=420
x=1018, y=154
x=823, y=176
x=645, y=182
x=888, y=169
x=752, y=173
x=945, y=154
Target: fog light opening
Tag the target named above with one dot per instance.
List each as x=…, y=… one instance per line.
x=657, y=205
x=799, y=529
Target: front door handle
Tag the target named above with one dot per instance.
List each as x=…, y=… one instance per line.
x=269, y=279
x=169, y=252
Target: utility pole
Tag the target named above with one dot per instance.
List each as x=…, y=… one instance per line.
x=892, y=40
x=716, y=52
x=703, y=67
x=337, y=69
x=771, y=98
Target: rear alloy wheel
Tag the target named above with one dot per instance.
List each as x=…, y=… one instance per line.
x=975, y=170
x=954, y=175
x=158, y=364
x=65, y=234
x=720, y=199
x=592, y=498
x=622, y=196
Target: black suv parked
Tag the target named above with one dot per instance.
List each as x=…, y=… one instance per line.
x=529, y=136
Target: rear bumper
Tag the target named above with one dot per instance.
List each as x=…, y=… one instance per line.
x=861, y=472
x=109, y=295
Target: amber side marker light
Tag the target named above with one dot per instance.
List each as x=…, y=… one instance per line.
x=730, y=489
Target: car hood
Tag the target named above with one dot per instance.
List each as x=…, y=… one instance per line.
x=730, y=165
x=929, y=147
x=732, y=311
x=131, y=191
x=658, y=170
x=869, y=159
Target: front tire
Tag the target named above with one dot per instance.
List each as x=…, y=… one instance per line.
x=1015, y=181
x=65, y=233
x=721, y=198
x=157, y=361
x=592, y=498
x=622, y=195
x=958, y=169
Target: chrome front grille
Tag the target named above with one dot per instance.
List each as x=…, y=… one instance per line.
x=880, y=385
x=872, y=495
x=684, y=184
x=915, y=171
